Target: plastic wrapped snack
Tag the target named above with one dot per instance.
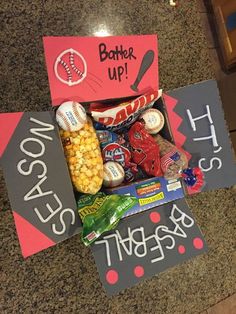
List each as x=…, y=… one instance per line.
x=173, y=160
x=82, y=151
x=115, y=147
x=105, y=216
x=106, y=137
x=88, y=204
x=194, y=179
x=118, y=117
x=122, y=155
x=145, y=151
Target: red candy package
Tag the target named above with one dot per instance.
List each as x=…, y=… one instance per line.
x=121, y=154
x=145, y=152
x=124, y=114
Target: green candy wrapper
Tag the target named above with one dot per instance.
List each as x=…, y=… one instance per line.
x=89, y=204
x=105, y=214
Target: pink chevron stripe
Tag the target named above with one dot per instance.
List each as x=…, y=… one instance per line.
x=175, y=122
x=31, y=239
x=8, y=124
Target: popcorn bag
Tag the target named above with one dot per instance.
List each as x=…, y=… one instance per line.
x=115, y=146
x=84, y=158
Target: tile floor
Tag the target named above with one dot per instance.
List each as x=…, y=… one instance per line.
x=226, y=81
x=227, y=86
x=227, y=306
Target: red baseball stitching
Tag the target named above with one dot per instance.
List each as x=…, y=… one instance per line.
x=109, y=175
x=64, y=120
x=121, y=172
x=67, y=69
x=76, y=113
x=74, y=67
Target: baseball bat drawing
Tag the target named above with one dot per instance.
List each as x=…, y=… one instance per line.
x=145, y=65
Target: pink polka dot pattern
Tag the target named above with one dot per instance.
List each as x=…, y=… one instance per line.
x=138, y=271
x=181, y=249
x=155, y=217
x=198, y=243
x=112, y=276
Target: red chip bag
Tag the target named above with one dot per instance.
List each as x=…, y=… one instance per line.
x=145, y=151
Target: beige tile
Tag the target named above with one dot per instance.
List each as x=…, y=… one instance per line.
x=234, y=253
x=227, y=306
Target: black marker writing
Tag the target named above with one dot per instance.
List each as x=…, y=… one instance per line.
x=119, y=53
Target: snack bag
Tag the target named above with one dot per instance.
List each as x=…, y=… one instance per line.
x=119, y=116
x=106, y=137
x=173, y=160
x=106, y=216
x=116, y=148
x=145, y=151
x=88, y=204
x=83, y=155
x=121, y=154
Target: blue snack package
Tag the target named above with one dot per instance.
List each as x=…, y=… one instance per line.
x=106, y=137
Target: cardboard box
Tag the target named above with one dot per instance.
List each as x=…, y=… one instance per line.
x=85, y=69
x=149, y=242
x=39, y=186
x=152, y=192
x=38, y=180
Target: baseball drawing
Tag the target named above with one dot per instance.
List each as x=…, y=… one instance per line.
x=71, y=69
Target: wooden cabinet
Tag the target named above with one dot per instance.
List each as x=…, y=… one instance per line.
x=225, y=17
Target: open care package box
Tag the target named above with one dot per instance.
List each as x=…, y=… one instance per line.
x=159, y=231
